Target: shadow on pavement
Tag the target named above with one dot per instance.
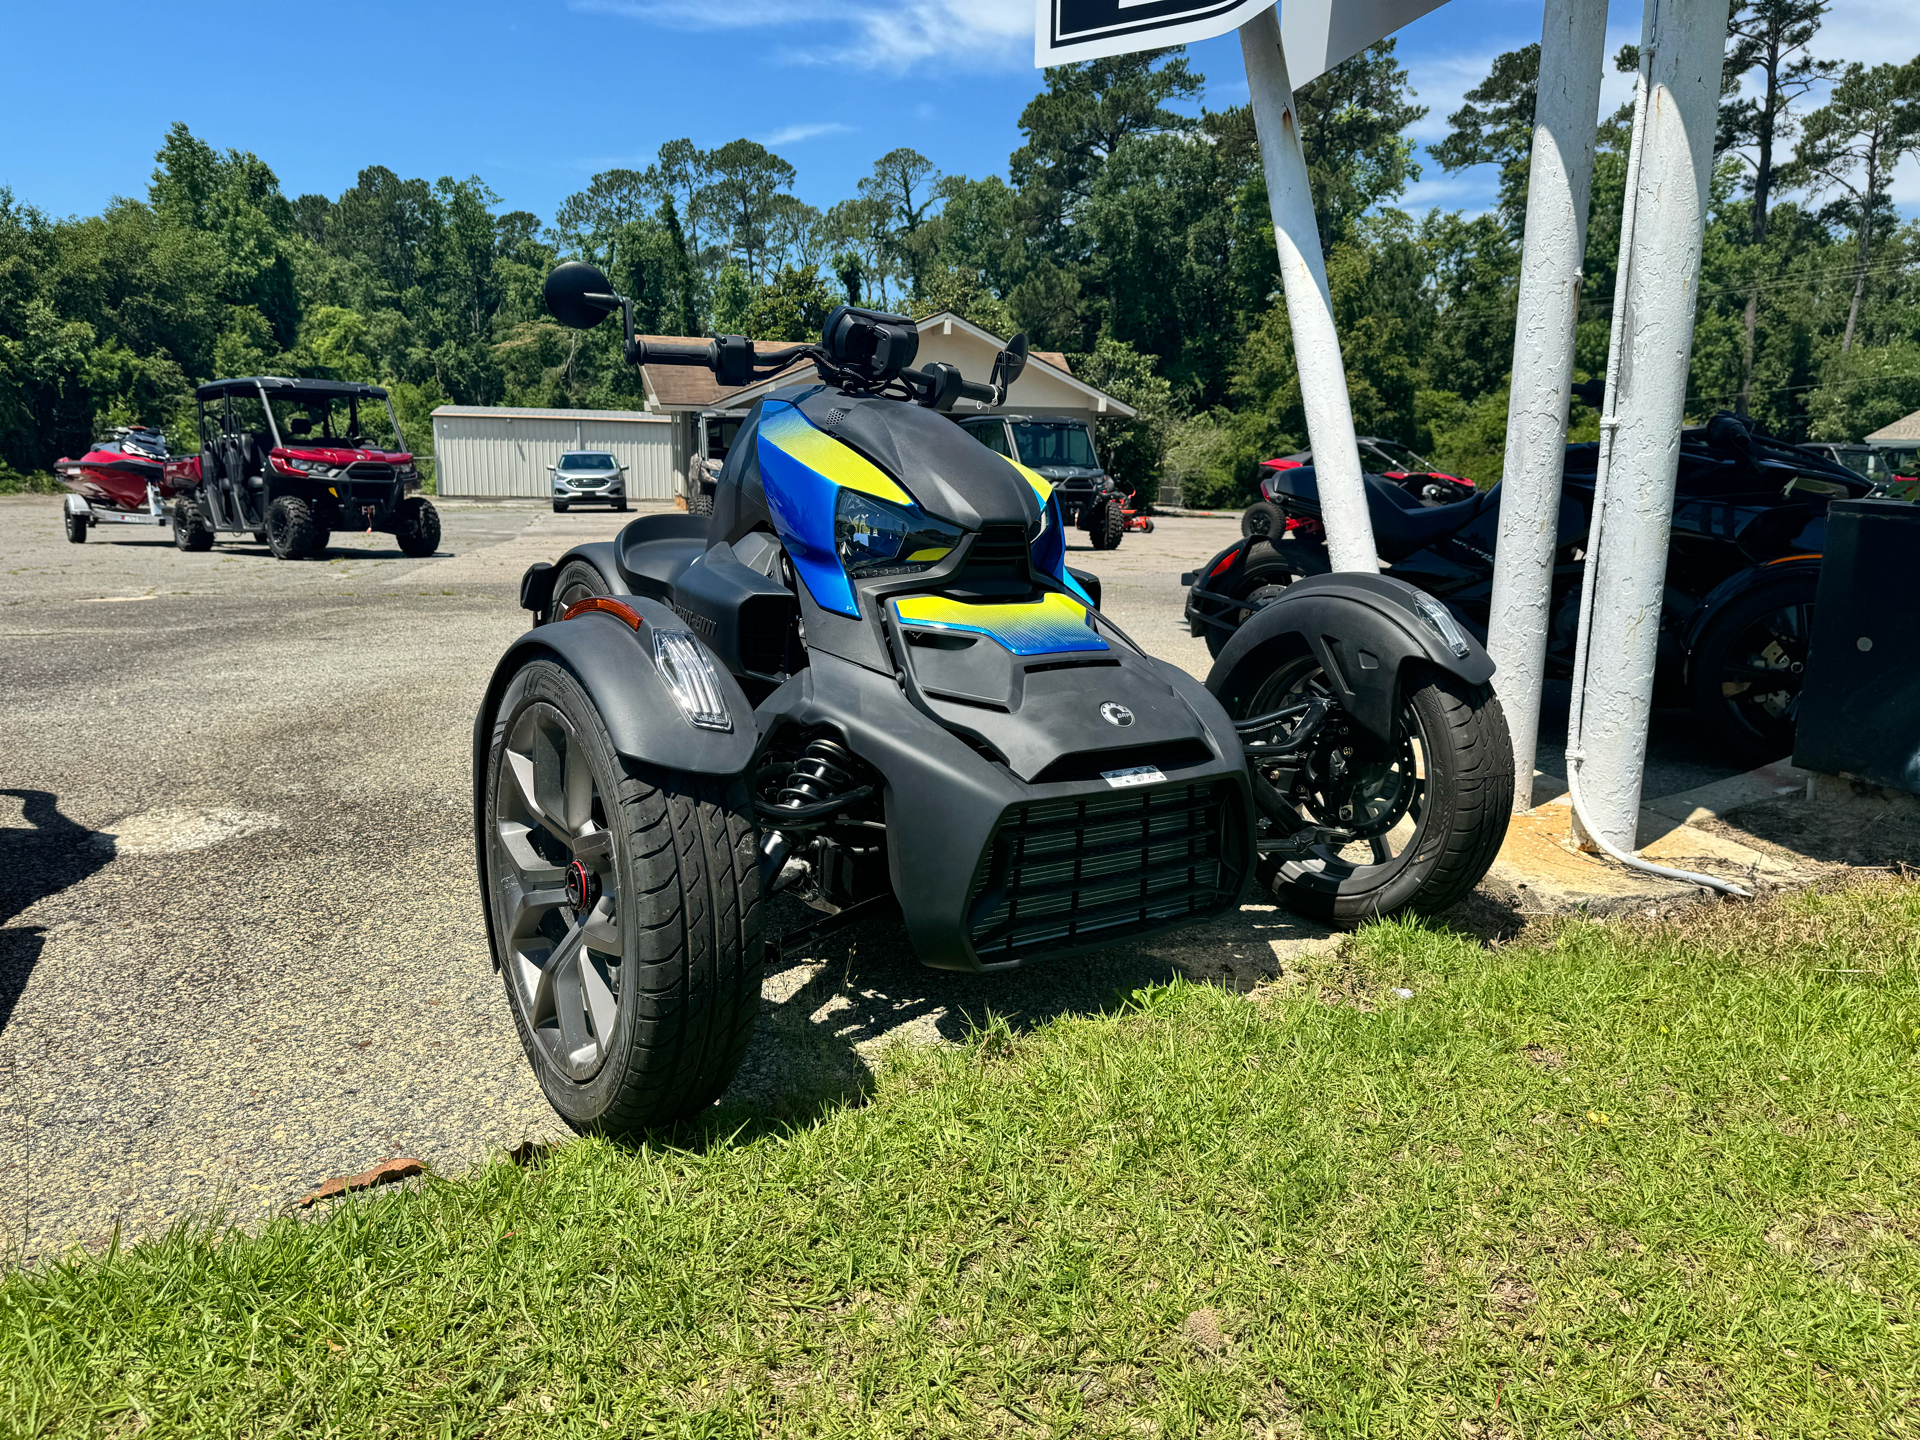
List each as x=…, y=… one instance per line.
x=38, y=860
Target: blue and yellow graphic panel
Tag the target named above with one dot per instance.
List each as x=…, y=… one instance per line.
x=1045, y=626
x=802, y=471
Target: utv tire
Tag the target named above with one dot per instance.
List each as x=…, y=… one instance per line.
x=638, y=1015
x=191, y=529
x=1745, y=673
x=417, y=527
x=560, y=507
x=1467, y=795
x=1109, y=524
x=260, y=537
x=77, y=529
x=577, y=581
x=700, y=501
x=1264, y=518
x=320, y=539
x=290, y=529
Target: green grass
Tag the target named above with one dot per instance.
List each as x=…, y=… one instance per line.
x=1627, y=1178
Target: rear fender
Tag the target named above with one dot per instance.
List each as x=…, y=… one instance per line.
x=1738, y=585
x=1364, y=630
x=537, y=585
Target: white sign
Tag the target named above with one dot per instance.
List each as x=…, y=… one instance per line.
x=1134, y=776
x=1316, y=34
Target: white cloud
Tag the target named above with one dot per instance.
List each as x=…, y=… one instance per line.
x=794, y=134
x=991, y=34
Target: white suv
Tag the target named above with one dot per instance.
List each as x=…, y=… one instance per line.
x=589, y=477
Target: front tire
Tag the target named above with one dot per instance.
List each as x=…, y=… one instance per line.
x=635, y=992
x=700, y=501
x=290, y=528
x=1439, y=794
x=320, y=540
x=417, y=527
x=1109, y=525
x=560, y=507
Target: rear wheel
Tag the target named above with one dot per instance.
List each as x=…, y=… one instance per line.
x=626, y=906
x=76, y=528
x=1746, y=671
x=577, y=581
x=1410, y=823
x=191, y=528
x=1264, y=518
x=290, y=528
x=417, y=527
x=320, y=539
x=1265, y=576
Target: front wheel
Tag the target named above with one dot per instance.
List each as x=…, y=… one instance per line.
x=1108, y=525
x=1410, y=823
x=417, y=527
x=290, y=528
x=626, y=907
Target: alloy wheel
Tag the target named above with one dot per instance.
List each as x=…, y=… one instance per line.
x=556, y=891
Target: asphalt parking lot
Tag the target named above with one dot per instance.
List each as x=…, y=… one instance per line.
x=240, y=945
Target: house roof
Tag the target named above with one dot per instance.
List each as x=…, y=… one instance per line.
x=1907, y=428
x=522, y=412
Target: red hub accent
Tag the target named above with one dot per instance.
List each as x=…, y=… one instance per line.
x=583, y=887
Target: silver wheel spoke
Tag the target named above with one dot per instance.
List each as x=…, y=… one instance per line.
x=602, y=1005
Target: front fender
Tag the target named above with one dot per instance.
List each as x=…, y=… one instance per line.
x=1363, y=629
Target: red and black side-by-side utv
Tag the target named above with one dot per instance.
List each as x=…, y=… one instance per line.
x=291, y=461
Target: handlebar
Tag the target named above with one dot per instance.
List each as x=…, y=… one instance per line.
x=976, y=390
x=653, y=353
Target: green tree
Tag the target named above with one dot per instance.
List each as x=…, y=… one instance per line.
x=791, y=306
x=1353, y=133
x=1495, y=126
x=1852, y=145
x=744, y=197
x=1133, y=451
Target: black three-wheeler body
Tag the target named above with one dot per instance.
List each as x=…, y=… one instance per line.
x=870, y=681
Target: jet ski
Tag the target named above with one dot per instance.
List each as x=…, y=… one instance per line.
x=125, y=479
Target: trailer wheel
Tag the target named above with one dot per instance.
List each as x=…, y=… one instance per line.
x=417, y=527
x=192, y=530
x=1264, y=518
x=76, y=528
x=626, y=907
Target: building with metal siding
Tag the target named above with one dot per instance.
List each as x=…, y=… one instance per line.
x=493, y=450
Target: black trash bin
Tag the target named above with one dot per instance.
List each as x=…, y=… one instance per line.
x=1861, y=706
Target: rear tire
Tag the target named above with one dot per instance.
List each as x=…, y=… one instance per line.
x=320, y=539
x=1263, y=518
x=290, y=529
x=577, y=581
x=192, y=531
x=417, y=527
x=1746, y=671
x=1109, y=525
x=645, y=1015
x=76, y=529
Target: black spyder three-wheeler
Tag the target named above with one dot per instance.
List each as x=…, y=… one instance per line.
x=291, y=461
x=871, y=681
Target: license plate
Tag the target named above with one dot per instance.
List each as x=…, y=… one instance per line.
x=1134, y=776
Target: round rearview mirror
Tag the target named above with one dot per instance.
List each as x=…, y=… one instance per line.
x=1009, y=364
x=579, y=296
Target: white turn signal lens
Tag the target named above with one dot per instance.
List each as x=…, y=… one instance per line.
x=1441, y=622
x=685, y=668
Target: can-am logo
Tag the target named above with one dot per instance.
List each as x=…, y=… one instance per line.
x=1117, y=715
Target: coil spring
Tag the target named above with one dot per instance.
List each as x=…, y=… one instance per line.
x=824, y=770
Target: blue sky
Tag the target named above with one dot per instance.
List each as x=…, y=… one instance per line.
x=534, y=96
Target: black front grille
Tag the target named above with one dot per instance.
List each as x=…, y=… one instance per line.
x=371, y=470
x=1097, y=868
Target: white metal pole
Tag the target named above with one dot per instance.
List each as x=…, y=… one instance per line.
x=1663, y=217
x=1310, y=313
x=1573, y=45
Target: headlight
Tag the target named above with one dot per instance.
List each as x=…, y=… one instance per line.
x=876, y=537
x=305, y=467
